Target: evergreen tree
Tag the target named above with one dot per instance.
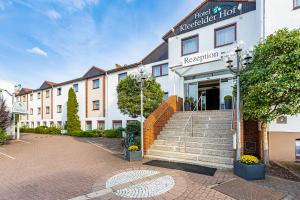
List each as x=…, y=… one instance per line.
x=4, y=116
x=73, y=122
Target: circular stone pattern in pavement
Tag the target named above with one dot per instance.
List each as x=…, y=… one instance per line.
x=140, y=183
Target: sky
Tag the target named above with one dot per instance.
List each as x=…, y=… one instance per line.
x=59, y=40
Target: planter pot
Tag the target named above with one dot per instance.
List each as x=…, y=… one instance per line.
x=187, y=107
x=228, y=104
x=249, y=172
x=133, y=155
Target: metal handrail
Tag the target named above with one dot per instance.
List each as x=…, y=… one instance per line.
x=190, y=119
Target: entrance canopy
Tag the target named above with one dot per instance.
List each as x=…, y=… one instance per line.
x=19, y=108
x=185, y=71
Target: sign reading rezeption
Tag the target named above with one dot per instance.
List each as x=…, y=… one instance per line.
x=200, y=58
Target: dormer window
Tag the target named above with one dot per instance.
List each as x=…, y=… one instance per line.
x=189, y=45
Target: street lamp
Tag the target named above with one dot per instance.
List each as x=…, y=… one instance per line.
x=240, y=62
x=17, y=89
x=141, y=81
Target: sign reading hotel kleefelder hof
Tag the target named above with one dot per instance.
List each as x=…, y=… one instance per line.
x=212, y=12
x=199, y=58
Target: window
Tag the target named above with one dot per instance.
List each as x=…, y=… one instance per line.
x=44, y=123
x=166, y=96
x=39, y=95
x=32, y=124
x=88, y=125
x=75, y=87
x=189, y=45
x=24, y=98
x=117, y=124
x=47, y=109
x=100, y=125
x=38, y=124
x=225, y=35
x=59, y=108
x=296, y=3
x=298, y=149
x=31, y=97
x=58, y=91
x=39, y=110
x=122, y=76
x=96, y=105
x=47, y=93
x=96, y=84
x=31, y=111
x=51, y=124
x=59, y=124
x=160, y=70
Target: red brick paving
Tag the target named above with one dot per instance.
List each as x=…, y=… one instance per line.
x=63, y=167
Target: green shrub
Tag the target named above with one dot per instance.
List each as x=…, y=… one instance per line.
x=42, y=130
x=228, y=98
x=87, y=133
x=133, y=127
x=113, y=133
x=53, y=130
x=3, y=136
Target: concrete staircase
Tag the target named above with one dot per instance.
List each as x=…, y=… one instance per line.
x=210, y=144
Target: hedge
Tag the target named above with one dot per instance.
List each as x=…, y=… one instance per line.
x=113, y=133
x=88, y=133
x=42, y=130
x=3, y=136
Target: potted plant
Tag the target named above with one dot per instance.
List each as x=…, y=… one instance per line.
x=133, y=153
x=228, y=102
x=189, y=103
x=249, y=168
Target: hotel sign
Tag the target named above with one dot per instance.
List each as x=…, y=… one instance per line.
x=211, y=12
x=200, y=58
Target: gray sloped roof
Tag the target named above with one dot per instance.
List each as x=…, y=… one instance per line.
x=158, y=54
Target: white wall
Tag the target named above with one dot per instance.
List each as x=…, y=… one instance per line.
x=9, y=86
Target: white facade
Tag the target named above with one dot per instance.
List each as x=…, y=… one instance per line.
x=251, y=26
x=9, y=86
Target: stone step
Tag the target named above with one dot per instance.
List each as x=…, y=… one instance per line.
x=199, y=139
x=193, y=142
x=198, y=126
x=201, y=121
x=224, y=135
x=201, y=163
x=216, y=140
x=194, y=150
x=225, y=145
x=191, y=157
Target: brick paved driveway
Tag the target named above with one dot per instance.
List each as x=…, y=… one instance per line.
x=62, y=167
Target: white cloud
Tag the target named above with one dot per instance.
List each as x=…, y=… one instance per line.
x=77, y=4
x=4, y=4
x=53, y=14
x=37, y=51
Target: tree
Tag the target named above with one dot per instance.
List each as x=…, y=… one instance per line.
x=129, y=96
x=270, y=85
x=5, y=117
x=73, y=123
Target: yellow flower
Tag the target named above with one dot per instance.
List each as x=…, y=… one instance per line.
x=249, y=160
x=133, y=148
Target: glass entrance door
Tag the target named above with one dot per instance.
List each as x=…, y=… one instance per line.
x=191, y=96
x=202, y=104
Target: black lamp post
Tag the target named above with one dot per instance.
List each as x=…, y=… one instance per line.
x=238, y=51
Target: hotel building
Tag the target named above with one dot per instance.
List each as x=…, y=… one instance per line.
x=188, y=63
